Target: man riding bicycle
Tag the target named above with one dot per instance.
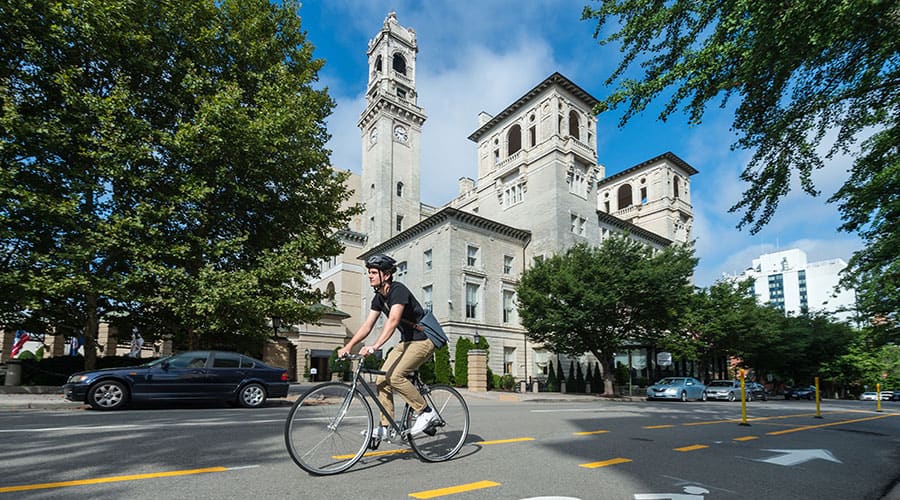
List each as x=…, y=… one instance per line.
x=404, y=313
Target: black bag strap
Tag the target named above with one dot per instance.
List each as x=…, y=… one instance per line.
x=415, y=326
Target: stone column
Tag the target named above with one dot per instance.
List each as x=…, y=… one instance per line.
x=56, y=345
x=107, y=338
x=478, y=370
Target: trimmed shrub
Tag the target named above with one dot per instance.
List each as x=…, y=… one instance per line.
x=443, y=372
x=552, y=381
x=570, y=380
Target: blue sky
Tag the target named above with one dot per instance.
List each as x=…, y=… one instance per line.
x=482, y=56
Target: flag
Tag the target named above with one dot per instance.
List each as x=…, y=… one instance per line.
x=75, y=344
x=136, y=343
x=19, y=342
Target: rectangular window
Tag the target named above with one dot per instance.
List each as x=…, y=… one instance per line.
x=427, y=301
x=399, y=223
x=496, y=156
x=509, y=305
x=643, y=195
x=401, y=268
x=513, y=195
x=507, y=264
x=472, y=292
x=509, y=357
x=426, y=259
x=471, y=256
x=532, y=136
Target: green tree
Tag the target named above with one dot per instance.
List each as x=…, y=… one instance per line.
x=570, y=379
x=552, y=380
x=164, y=161
x=597, y=299
x=805, y=75
x=443, y=372
x=461, y=365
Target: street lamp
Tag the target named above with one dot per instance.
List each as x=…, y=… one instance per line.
x=276, y=324
x=477, y=339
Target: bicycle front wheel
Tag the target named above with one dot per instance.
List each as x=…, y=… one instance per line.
x=445, y=437
x=328, y=429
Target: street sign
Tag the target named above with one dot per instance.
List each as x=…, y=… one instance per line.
x=664, y=358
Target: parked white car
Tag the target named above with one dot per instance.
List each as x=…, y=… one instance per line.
x=868, y=396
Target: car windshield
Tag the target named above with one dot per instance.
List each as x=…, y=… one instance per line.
x=720, y=383
x=671, y=381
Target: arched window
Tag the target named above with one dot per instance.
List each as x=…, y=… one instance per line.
x=329, y=290
x=399, y=64
x=378, y=64
x=573, y=124
x=513, y=140
x=624, y=196
x=399, y=189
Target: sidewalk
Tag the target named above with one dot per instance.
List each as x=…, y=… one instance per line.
x=51, y=397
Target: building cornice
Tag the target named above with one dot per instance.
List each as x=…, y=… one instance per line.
x=554, y=79
x=667, y=156
x=444, y=216
x=628, y=227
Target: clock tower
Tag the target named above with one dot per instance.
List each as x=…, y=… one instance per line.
x=391, y=131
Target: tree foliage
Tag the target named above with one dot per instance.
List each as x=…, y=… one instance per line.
x=600, y=299
x=163, y=161
x=811, y=80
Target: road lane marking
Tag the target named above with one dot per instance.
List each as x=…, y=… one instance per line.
x=830, y=424
x=373, y=454
x=504, y=441
x=588, y=433
x=113, y=479
x=611, y=461
x=658, y=426
x=746, y=438
x=692, y=447
x=452, y=490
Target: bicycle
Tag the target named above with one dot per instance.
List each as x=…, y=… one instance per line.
x=330, y=427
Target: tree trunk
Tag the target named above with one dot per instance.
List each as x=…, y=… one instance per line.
x=609, y=373
x=91, y=329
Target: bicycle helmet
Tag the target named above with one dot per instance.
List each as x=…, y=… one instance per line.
x=381, y=262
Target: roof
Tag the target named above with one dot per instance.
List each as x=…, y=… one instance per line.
x=554, y=79
x=445, y=215
x=631, y=228
x=668, y=155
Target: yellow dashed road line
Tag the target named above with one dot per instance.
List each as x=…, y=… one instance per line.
x=611, y=461
x=588, y=433
x=504, y=441
x=692, y=447
x=113, y=479
x=452, y=490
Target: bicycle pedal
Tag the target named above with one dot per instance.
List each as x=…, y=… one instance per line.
x=431, y=431
x=373, y=443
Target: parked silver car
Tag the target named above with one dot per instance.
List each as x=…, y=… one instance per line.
x=682, y=388
x=729, y=390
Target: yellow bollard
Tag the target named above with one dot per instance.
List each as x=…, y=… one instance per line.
x=818, y=412
x=878, y=397
x=743, y=400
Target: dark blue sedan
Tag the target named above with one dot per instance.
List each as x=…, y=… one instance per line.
x=193, y=376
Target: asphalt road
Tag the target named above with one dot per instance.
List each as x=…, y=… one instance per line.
x=516, y=450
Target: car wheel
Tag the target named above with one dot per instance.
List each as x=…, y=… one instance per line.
x=703, y=396
x=107, y=395
x=683, y=396
x=252, y=396
x=730, y=396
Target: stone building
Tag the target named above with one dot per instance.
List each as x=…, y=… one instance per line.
x=537, y=190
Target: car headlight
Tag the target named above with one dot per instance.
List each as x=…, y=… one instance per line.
x=77, y=379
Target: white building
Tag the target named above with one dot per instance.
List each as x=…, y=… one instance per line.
x=535, y=190
x=788, y=281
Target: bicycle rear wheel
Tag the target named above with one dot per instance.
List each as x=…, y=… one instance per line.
x=445, y=437
x=327, y=429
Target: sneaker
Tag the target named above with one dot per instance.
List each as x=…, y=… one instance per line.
x=380, y=432
x=422, y=422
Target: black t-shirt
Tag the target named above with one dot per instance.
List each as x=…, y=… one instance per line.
x=412, y=310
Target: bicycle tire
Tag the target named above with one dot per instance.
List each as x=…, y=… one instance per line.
x=323, y=436
x=450, y=430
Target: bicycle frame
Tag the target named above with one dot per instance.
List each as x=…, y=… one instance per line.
x=358, y=382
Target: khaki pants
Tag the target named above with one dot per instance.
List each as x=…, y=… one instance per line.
x=403, y=359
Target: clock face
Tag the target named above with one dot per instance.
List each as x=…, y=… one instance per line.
x=400, y=133
x=373, y=136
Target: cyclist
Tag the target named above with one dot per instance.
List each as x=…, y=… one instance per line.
x=403, y=312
